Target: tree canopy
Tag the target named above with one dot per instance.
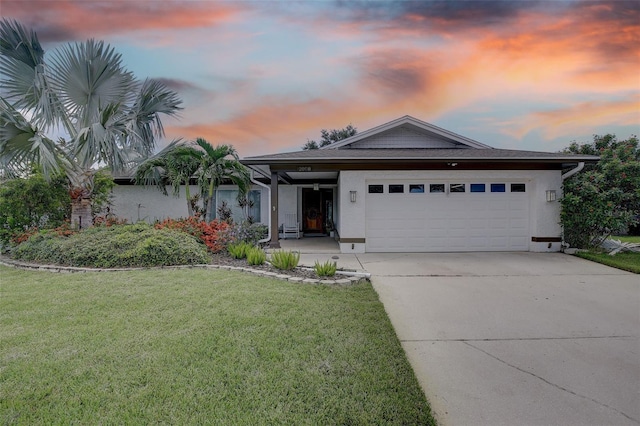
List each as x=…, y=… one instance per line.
x=605, y=197
x=327, y=137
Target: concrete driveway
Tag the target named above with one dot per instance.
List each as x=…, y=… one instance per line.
x=516, y=338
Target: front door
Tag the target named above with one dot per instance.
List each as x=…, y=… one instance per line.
x=316, y=208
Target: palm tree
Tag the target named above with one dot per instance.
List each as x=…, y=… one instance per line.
x=218, y=164
x=79, y=110
x=211, y=166
x=173, y=166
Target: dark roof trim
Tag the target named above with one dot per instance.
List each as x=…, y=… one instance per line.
x=413, y=155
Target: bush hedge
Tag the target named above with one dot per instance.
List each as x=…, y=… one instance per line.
x=138, y=245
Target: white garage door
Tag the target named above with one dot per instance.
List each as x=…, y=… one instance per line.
x=447, y=216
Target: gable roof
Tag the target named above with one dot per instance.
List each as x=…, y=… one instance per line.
x=428, y=131
x=409, y=142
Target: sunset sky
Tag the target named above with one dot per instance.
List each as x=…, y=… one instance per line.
x=267, y=76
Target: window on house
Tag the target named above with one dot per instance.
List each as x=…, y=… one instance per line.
x=376, y=189
x=477, y=187
x=498, y=187
x=436, y=187
x=416, y=188
x=226, y=201
x=396, y=189
x=457, y=187
x=518, y=187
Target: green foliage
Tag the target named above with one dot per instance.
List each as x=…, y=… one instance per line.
x=115, y=246
x=285, y=260
x=327, y=137
x=212, y=234
x=239, y=250
x=605, y=197
x=32, y=202
x=326, y=269
x=247, y=232
x=256, y=256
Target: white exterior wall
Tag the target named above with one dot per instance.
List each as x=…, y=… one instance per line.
x=287, y=202
x=146, y=203
x=544, y=216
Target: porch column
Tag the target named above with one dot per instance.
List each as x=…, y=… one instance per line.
x=274, y=211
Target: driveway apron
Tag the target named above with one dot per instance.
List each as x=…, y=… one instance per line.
x=516, y=338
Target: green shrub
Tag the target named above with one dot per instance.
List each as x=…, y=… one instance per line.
x=239, y=250
x=327, y=269
x=138, y=245
x=256, y=256
x=285, y=260
x=31, y=203
x=247, y=232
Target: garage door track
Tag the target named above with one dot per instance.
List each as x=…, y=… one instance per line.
x=516, y=338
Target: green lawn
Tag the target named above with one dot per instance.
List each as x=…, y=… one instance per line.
x=197, y=346
x=627, y=239
x=626, y=261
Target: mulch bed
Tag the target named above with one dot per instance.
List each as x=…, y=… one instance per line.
x=224, y=258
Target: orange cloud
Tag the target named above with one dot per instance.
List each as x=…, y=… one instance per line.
x=70, y=19
x=578, y=118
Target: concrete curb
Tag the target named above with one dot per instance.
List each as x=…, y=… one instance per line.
x=353, y=279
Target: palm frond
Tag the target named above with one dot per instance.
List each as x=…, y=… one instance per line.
x=144, y=123
x=21, y=145
x=19, y=44
x=88, y=77
x=25, y=83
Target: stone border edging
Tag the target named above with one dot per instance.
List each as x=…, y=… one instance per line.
x=283, y=277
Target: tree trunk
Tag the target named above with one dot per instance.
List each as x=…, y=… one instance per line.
x=81, y=217
x=187, y=193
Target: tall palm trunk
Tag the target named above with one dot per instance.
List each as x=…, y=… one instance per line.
x=187, y=193
x=81, y=189
x=209, y=200
x=81, y=217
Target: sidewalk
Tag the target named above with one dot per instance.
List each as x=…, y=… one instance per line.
x=321, y=249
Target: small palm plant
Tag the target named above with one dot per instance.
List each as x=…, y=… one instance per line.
x=326, y=269
x=285, y=260
x=256, y=256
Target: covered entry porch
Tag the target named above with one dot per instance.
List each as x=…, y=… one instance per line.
x=304, y=199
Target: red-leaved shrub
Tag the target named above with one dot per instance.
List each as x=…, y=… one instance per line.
x=211, y=233
x=63, y=230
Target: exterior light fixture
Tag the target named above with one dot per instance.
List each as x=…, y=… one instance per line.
x=316, y=187
x=551, y=195
x=353, y=195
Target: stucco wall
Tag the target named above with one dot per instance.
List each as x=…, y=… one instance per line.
x=138, y=202
x=543, y=220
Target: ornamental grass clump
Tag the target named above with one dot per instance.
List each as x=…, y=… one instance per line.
x=285, y=260
x=326, y=269
x=256, y=256
x=239, y=250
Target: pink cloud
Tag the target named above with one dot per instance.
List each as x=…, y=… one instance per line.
x=77, y=19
